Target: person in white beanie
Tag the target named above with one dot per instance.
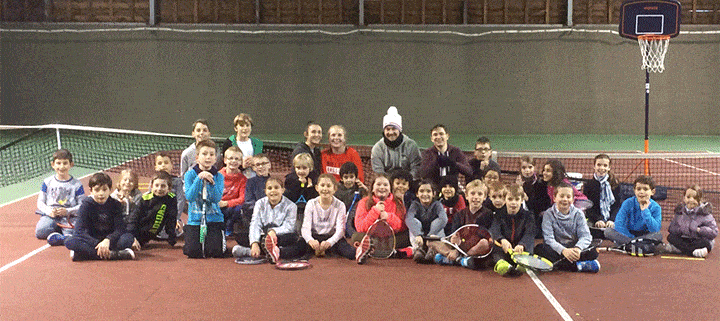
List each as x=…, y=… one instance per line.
x=395, y=150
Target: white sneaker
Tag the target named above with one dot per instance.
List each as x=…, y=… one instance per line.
x=703, y=252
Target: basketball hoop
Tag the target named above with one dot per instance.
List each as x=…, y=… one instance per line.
x=653, y=49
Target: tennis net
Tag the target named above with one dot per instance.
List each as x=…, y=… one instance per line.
x=26, y=153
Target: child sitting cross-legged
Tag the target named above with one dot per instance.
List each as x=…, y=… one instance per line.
x=514, y=227
x=100, y=228
x=156, y=211
x=273, y=226
x=323, y=226
x=693, y=230
x=59, y=200
x=566, y=234
x=639, y=216
x=425, y=217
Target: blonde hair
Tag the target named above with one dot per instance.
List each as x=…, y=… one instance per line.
x=234, y=149
x=303, y=159
x=133, y=178
x=497, y=186
x=242, y=119
x=476, y=184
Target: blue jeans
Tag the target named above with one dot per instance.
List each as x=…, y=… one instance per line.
x=48, y=225
x=84, y=245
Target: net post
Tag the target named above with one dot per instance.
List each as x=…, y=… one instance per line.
x=57, y=137
x=647, y=120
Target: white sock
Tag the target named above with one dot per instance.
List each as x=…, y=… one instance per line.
x=700, y=252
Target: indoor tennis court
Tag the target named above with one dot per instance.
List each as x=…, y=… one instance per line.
x=119, y=81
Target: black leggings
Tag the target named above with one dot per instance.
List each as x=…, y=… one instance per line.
x=214, y=241
x=687, y=245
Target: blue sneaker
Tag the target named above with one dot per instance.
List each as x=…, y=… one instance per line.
x=588, y=266
x=442, y=260
x=56, y=239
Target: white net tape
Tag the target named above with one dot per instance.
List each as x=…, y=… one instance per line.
x=653, y=51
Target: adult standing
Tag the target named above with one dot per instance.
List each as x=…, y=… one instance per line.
x=443, y=159
x=311, y=145
x=339, y=153
x=249, y=146
x=395, y=150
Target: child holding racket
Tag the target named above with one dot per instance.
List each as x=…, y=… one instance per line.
x=59, y=200
x=639, y=216
x=350, y=192
x=272, y=225
x=425, y=217
x=126, y=191
x=204, y=189
x=693, y=230
x=156, y=211
x=100, y=229
x=514, y=228
x=451, y=199
x=475, y=213
x=380, y=205
x=604, y=193
x=566, y=234
x=323, y=226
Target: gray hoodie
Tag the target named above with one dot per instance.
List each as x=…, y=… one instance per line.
x=561, y=231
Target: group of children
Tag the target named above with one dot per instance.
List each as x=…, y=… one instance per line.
x=315, y=213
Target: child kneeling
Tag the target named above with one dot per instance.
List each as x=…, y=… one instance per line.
x=100, y=229
x=566, y=234
x=204, y=176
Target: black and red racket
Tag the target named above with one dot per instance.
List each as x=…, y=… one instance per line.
x=382, y=240
x=640, y=247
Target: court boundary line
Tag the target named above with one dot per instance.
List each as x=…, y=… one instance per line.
x=544, y=290
x=38, y=250
x=24, y=257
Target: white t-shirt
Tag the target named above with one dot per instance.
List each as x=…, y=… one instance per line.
x=247, y=150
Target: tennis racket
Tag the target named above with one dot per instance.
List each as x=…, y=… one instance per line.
x=66, y=222
x=583, y=204
x=382, y=240
x=640, y=247
x=464, y=239
x=249, y=260
x=203, y=218
x=293, y=265
x=593, y=247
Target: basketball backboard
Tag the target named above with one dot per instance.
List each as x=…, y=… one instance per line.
x=649, y=17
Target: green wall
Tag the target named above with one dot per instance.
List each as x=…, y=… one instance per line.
x=569, y=82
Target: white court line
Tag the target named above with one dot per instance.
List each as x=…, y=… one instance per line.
x=691, y=167
x=19, y=199
x=565, y=316
x=25, y=257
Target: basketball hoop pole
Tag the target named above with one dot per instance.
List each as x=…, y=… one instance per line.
x=647, y=119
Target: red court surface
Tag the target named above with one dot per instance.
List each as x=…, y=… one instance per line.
x=164, y=285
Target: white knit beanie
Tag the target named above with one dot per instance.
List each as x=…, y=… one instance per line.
x=392, y=118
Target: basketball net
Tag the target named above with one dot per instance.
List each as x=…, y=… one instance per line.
x=653, y=49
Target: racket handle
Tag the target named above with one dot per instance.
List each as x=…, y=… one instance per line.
x=204, y=191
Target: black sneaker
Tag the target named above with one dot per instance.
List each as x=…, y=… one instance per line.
x=126, y=254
